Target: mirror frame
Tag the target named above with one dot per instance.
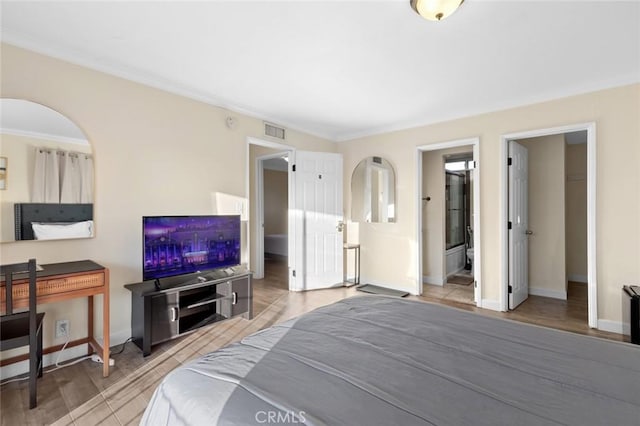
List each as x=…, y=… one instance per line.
x=365, y=213
x=54, y=131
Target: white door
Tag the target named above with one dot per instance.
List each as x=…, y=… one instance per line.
x=519, y=222
x=318, y=220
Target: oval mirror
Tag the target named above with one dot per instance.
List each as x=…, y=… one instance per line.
x=46, y=174
x=373, y=191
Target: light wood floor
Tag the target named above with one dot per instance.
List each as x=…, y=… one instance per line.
x=78, y=395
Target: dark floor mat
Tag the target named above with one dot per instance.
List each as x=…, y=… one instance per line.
x=374, y=289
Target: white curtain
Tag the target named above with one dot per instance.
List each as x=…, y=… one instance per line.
x=46, y=177
x=62, y=177
x=86, y=178
x=69, y=178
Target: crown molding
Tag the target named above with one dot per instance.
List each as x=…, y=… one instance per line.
x=498, y=106
x=142, y=77
x=45, y=136
x=157, y=82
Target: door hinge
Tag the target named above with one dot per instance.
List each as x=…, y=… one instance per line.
x=293, y=168
x=294, y=272
x=509, y=161
x=509, y=225
x=510, y=289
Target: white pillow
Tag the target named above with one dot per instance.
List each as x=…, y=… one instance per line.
x=56, y=231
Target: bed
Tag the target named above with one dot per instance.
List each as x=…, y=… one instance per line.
x=276, y=244
x=376, y=360
x=55, y=217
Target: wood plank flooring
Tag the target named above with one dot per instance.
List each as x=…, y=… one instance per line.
x=78, y=395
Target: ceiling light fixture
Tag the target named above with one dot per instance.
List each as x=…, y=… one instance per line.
x=435, y=10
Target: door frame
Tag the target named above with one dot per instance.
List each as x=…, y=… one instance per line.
x=474, y=142
x=590, y=127
x=258, y=264
x=259, y=198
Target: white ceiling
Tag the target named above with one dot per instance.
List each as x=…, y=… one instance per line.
x=343, y=69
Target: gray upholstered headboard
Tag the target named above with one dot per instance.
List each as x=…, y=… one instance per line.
x=25, y=213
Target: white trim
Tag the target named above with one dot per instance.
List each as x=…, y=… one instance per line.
x=433, y=280
x=45, y=136
x=155, y=81
x=617, y=81
x=21, y=40
x=477, y=228
x=492, y=305
x=545, y=292
x=258, y=265
x=614, y=326
x=477, y=268
x=578, y=278
x=591, y=210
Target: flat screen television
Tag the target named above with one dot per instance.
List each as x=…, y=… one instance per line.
x=176, y=245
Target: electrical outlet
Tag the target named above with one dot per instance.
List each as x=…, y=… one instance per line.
x=62, y=328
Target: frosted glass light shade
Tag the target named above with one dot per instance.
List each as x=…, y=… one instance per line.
x=435, y=10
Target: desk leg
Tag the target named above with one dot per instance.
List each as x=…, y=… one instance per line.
x=105, y=326
x=90, y=323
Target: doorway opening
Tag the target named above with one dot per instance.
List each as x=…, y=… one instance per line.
x=269, y=188
x=273, y=213
x=314, y=214
x=548, y=244
x=448, y=230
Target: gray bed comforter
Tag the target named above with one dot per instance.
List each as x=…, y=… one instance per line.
x=375, y=360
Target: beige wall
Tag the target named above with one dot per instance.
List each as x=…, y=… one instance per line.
x=433, y=214
x=155, y=153
x=547, y=272
x=615, y=112
x=20, y=151
x=576, y=211
x=276, y=202
x=159, y=153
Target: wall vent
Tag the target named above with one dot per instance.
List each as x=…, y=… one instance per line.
x=274, y=131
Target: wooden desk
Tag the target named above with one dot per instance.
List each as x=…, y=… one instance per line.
x=63, y=281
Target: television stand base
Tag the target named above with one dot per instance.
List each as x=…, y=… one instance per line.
x=184, y=304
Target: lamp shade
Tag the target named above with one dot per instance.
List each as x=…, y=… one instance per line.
x=435, y=10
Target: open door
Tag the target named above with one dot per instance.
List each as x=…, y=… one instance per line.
x=518, y=224
x=317, y=220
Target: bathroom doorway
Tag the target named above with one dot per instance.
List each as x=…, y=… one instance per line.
x=449, y=221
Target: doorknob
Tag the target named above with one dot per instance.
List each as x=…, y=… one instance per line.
x=528, y=232
x=340, y=226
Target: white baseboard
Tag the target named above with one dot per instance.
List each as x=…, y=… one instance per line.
x=493, y=305
x=578, y=278
x=548, y=293
x=614, y=326
x=434, y=280
x=48, y=360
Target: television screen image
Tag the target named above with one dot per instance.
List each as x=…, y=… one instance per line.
x=176, y=245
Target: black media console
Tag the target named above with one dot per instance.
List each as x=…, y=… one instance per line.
x=179, y=305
